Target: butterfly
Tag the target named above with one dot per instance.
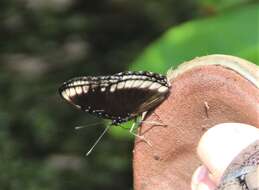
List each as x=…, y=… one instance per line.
x=119, y=97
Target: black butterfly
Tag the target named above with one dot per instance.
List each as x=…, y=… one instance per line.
x=119, y=97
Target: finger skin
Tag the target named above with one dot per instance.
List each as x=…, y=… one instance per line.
x=218, y=147
x=201, y=180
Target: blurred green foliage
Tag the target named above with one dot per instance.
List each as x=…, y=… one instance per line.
x=44, y=43
x=219, y=5
x=235, y=32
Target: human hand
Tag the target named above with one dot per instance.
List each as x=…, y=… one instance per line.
x=217, y=148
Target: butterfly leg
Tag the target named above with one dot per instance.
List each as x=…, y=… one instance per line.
x=157, y=123
x=154, y=123
x=136, y=135
x=99, y=138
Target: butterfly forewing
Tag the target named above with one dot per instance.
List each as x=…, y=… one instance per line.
x=119, y=97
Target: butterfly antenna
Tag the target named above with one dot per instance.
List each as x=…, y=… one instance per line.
x=80, y=127
x=84, y=126
x=99, y=138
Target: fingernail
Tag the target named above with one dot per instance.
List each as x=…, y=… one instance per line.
x=202, y=173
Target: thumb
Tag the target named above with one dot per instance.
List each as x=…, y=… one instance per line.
x=218, y=147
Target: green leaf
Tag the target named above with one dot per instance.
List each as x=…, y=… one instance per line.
x=218, y=5
x=122, y=131
x=234, y=33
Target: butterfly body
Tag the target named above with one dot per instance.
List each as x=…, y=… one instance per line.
x=119, y=97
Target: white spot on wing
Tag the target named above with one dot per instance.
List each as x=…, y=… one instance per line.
x=113, y=88
x=103, y=89
x=68, y=92
x=126, y=77
x=129, y=83
x=79, y=82
x=145, y=84
x=85, y=89
x=163, y=89
x=134, y=77
x=120, y=85
x=85, y=82
x=154, y=86
x=72, y=92
x=137, y=83
x=75, y=83
x=78, y=90
x=65, y=95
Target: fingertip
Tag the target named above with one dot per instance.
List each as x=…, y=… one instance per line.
x=222, y=143
x=201, y=179
x=198, y=176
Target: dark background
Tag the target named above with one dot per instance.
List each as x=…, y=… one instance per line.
x=42, y=44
